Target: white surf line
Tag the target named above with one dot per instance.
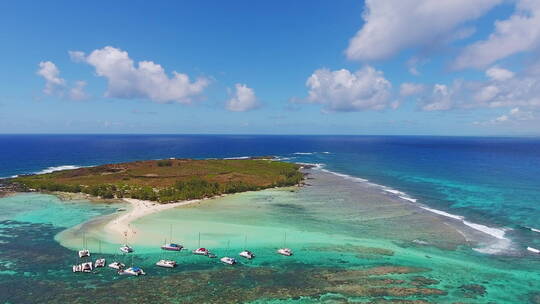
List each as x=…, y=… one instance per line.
x=57, y=168
x=534, y=250
x=534, y=230
x=498, y=233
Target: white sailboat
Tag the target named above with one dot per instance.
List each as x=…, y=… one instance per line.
x=126, y=248
x=100, y=262
x=84, y=252
x=166, y=263
x=171, y=246
x=246, y=253
x=285, y=251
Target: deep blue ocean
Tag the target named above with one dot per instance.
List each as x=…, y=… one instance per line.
x=492, y=181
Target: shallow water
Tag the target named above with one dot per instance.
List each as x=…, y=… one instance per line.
x=352, y=242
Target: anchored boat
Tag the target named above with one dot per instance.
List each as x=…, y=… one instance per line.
x=99, y=263
x=246, y=253
x=132, y=271
x=116, y=265
x=228, y=260
x=285, y=251
x=166, y=263
x=83, y=267
x=201, y=251
x=172, y=246
x=126, y=249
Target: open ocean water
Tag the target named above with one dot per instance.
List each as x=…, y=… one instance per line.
x=436, y=219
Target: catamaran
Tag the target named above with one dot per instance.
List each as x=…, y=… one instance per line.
x=171, y=246
x=228, y=260
x=166, y=263
x=132, y=271
x=116, y=265
x=246, y=253
x=285, y=251
x=99, y=263
x=84, y=267
x=201, y=251
x=84, y=252
x=126, y=249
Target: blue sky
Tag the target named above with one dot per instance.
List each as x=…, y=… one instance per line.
x=448, y=67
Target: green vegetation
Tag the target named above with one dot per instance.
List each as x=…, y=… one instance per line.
x=169, y=180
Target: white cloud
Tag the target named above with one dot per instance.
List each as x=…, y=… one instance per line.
x=244, y=99
x=441, y=98
x=56, y=86
x=410, y=89
x=77, y=56
x=519, y=33
x=391, y=25
x=502, y=88
x=144, y=80
x=53, y=82
x=499, y=74
x=77, y=92
x=514, y=116
x=341, y=90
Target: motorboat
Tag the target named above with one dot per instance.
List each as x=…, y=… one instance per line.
x=285, y=251
x=116, y=265
x=228, y=260
x=201, y=251
x=166, y=263
x=126, y=249
x=172, y=247
x=247, y=254
x=84, y=253
x=132, y=271
x=99, y=263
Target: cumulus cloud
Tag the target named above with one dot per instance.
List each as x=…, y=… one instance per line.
x=145, y=79
x=391, y=26
x=441, y=98
x=53, y=82
x=499, y=74
x=514, y=116
x=57, y=86
x=519, y=33
x=77, y=92
x=502, y=88
x=341, y=90
x=410, y=89
x=243, y=99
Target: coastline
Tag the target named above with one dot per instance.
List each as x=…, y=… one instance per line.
x=121, y=225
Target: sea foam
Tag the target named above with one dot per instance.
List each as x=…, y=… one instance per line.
x=499, y=233
x=57, y=168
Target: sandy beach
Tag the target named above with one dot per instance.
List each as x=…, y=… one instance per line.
x=121, y=225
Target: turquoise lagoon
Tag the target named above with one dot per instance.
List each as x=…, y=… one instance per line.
x=353, y=242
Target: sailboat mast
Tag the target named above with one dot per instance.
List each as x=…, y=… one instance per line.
x=199, y=240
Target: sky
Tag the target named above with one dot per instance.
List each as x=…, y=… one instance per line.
x=381, y=67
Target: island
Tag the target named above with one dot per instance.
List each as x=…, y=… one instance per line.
x=167, y=180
